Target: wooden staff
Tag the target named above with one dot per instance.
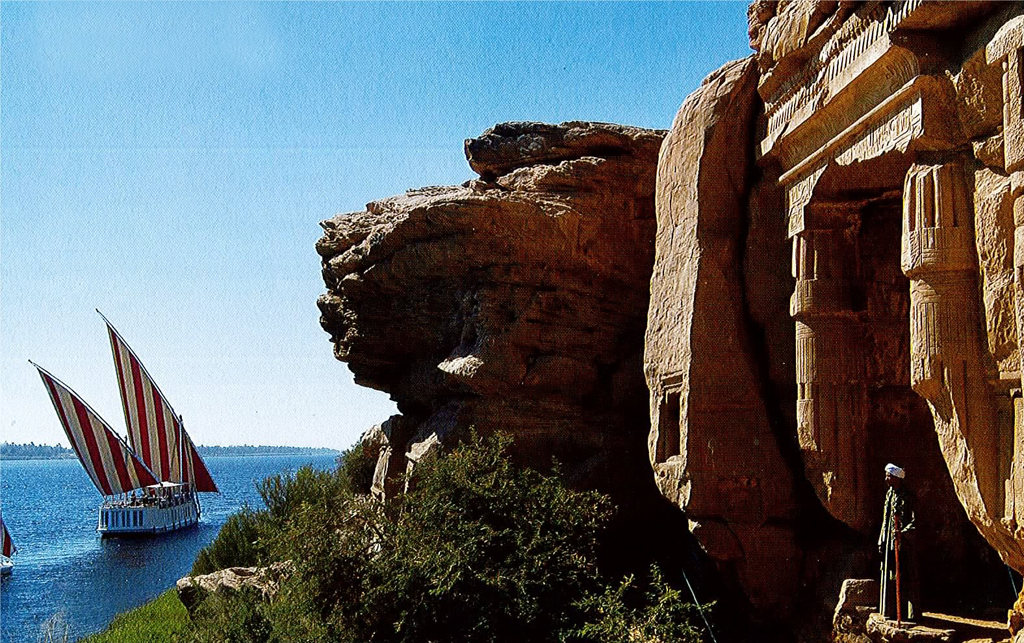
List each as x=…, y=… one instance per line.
x=896, y=549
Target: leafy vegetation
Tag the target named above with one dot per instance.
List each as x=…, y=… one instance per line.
x=617, y=616
x=479, y=549
x=244, y=539
x=162, y=620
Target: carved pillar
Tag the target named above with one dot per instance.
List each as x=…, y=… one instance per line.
x=831, y=391
x=1007, y=50
x=938, y=256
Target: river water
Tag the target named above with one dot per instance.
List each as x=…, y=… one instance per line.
x=63, y=566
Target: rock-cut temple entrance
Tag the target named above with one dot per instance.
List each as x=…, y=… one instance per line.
x=857, y=310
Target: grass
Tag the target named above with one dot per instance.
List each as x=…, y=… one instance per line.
x=158, y=621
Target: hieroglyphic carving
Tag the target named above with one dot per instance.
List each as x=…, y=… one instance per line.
x=894, y=132
x=848, y=52
x=1007, y=49
x=798, y=195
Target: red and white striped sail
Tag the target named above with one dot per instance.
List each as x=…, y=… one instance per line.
x=8, y=547
x=195, y=469
x=109, y=462
x=155, y=431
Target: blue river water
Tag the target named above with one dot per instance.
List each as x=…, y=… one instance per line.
x=63, y=566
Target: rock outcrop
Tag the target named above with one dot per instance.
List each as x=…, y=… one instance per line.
x=265, y=581
x=877, y=161
x=858, y=599
x=826, y=259
x=713, y=450
x=515, y=302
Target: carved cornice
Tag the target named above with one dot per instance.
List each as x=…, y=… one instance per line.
x=915, y=115
x=851, y=51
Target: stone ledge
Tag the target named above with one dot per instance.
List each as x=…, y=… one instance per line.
x=881, y=630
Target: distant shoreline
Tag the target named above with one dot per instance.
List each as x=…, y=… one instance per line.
x=10, y=451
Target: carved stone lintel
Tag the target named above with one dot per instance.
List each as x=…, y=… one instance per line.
x=916, y=117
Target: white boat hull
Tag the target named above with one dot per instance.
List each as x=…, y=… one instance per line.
x=147, y=517
x=6, y=567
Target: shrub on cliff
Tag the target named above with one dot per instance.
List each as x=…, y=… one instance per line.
x=236, y=545
x=356, y=465
x=247, y=538
x=478, y=550
x=619, y=615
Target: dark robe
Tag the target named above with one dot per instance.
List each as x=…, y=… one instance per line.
x=899, y=509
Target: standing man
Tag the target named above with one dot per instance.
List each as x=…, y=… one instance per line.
x=896, y=545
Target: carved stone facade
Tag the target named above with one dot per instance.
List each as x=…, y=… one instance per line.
x=888, y=143
x=889, y=105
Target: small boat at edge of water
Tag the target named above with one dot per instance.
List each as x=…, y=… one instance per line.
x=7, y=550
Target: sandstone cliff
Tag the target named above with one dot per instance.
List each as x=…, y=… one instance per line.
x=819, y=271
x=515, y=302
x=873, y=210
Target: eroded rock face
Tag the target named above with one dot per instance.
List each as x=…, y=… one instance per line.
x=515, y=302
x=713, y=451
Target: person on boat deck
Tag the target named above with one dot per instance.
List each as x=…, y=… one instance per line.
x=896, y=542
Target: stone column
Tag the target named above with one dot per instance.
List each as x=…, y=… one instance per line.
x=946, y=366
x=831, y=391
x=1007, y=50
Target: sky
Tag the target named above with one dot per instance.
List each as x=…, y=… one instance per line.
x=169, y=163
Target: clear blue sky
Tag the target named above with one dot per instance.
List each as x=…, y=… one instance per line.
x=168, y=163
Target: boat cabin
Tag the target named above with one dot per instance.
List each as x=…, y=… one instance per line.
x=160, y=507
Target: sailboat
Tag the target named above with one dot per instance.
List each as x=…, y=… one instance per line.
x=150, y=483
x=7, y=550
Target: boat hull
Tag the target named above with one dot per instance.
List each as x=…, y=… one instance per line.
x=145, y=518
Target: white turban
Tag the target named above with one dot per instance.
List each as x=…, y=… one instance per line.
x=893, y=470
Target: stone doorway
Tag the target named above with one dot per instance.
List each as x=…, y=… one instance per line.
x=856, y=408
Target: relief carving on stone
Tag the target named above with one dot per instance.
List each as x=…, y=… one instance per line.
x=873, y=92
x=1007, y=50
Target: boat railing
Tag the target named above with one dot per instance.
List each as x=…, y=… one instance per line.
x=120, y=502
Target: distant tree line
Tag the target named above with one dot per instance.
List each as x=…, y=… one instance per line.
x=33, y=451
x=248, y=449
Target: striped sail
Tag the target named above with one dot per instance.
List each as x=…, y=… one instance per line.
x=155, y=431
x=8, y=547
x=109, y=462
x=195, y=469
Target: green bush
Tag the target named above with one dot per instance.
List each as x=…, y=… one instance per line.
x=236, y=545
x=247, y=538
x=356, y=466
x=231, y=618
x=284, y=494
x=617, y=616
x=478, y=550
